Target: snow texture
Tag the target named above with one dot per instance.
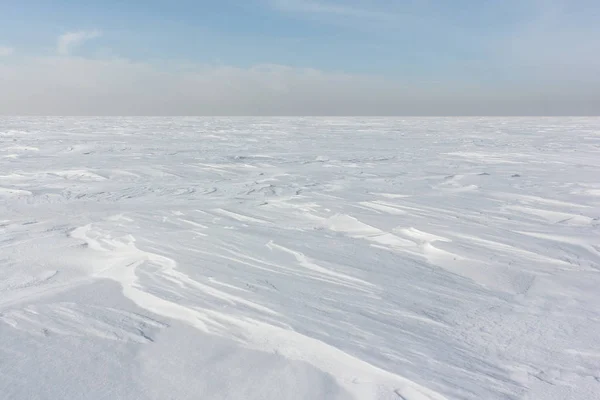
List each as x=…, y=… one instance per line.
x=299, y=258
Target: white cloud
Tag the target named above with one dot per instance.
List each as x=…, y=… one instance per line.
x=71, y=40
x=6, y=51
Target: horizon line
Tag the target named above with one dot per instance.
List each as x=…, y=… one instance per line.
x=291, y=116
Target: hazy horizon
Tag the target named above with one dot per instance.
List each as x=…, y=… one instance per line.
x=300, y=58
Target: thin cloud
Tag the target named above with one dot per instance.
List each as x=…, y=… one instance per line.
x=379, y=17
x=335, y=9
x=558, y=44
x=71, y=40
x=6, y=51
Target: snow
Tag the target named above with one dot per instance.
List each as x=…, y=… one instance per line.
x=300, y=258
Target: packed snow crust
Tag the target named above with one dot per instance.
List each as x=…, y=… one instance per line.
x=300, y=258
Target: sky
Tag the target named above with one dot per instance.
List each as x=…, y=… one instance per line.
x=300, y=57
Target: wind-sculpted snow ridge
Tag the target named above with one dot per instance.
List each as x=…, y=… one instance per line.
x=300, y=258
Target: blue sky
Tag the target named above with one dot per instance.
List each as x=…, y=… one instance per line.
x=471, y=46
x=366, y=37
